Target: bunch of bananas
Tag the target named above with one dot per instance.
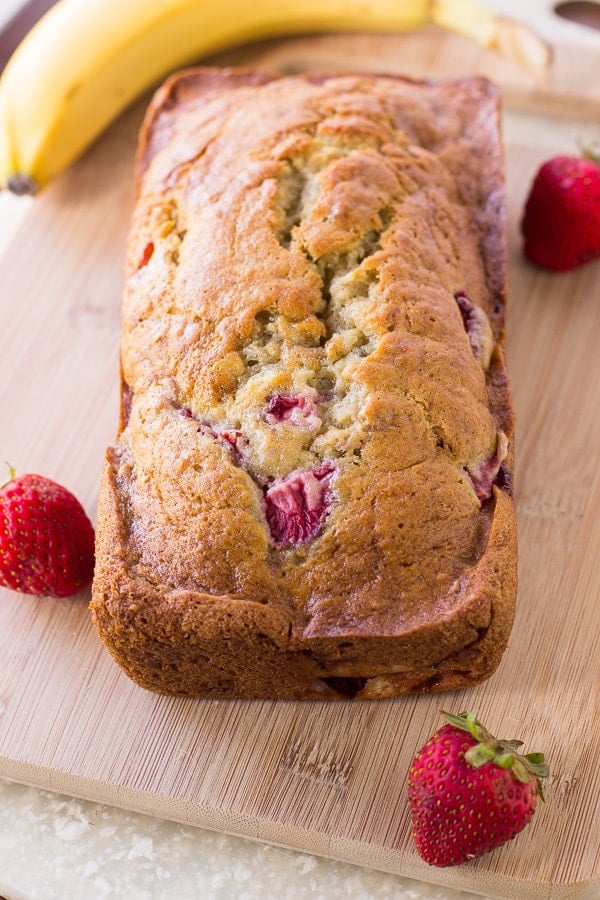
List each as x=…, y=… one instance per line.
x=86, y=60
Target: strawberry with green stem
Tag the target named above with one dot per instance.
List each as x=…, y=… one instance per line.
x=46, y=538
x=469, y=792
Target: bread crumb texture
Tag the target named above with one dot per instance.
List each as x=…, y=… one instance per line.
x=310, y=492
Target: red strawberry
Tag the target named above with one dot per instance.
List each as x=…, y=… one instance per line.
x=295, y=506
x=46, y=539
x=469, y=793
x=561, y=224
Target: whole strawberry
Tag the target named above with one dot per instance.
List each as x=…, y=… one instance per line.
x=561, y=224
x=469, y=793
x=46, y=539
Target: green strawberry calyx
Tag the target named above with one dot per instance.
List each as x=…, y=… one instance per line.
x=592, y=153
x=502, y=753
x=12, y=474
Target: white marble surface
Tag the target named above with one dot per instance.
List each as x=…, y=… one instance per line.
x=58, y=847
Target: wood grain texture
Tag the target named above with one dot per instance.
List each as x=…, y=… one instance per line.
x=326, y=778
x=571, y=88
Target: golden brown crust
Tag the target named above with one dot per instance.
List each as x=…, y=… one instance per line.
x=338, y=242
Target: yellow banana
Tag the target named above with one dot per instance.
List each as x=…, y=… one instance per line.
x=86, y=60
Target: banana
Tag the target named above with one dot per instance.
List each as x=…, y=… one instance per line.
x=86, y=60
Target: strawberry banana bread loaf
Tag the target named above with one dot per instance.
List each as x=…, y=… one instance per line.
x=310, y=492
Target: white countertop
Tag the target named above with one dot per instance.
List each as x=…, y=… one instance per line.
x=57, y=847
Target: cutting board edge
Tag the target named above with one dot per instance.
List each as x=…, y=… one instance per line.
x=383, y=859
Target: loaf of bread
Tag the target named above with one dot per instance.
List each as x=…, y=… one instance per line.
x=310, y=492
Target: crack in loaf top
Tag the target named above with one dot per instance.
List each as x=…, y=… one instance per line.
x=314, y=294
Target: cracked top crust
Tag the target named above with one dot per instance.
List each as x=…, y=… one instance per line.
x=314, y=284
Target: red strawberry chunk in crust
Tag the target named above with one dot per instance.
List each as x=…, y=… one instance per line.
x=147, y=254
x=478, y=328
x=297, y=409
x=484, y=474
x=296, y=506
x=229, y=438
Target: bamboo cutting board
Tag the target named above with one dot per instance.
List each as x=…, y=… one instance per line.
x=325, y=778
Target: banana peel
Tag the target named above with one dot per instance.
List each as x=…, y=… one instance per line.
x=87, y=60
